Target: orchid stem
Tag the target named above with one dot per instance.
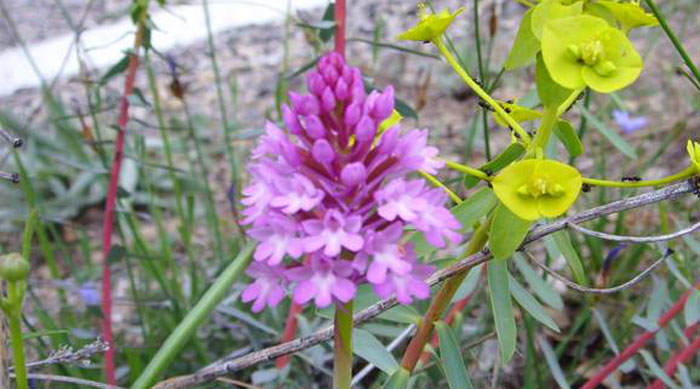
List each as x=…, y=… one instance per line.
x=342, y=346
x=481, y=92
x=683, y=174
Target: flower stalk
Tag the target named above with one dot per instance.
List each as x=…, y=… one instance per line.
x=110, y=204
x=480, y=91
x=682, y=175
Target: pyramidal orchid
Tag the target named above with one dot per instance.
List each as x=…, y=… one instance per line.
x=330, y=197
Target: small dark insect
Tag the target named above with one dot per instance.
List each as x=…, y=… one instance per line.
x=631, y=179
x=695, y=181
x=585, y=188
x=485, y=106
x=489, y=185
x=488, y=172
x=508, y=110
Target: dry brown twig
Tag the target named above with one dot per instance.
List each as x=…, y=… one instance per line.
x=217, y=370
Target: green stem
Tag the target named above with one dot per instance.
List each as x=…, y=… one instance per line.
x=14, y=313
x=480, y=92
x=550, y=116
x=439, y=184
x=674, y=39
x=683, y=174
x=484, y=115
x=467, y=170
x=184, y=331
x=342, y=345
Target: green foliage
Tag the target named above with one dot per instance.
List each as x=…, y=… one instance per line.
x=506, y=233
x=451, y=358
x=499, y=294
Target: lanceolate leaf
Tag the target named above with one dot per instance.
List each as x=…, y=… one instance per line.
x=499, y=294
x=562, y=240
x=525, y=46
x=510, y=154
x=451, y=358
x=369, y=348
x=538, y=285
x=474, y=207
x=506, y=233
x=528, y=303
x=568, y=137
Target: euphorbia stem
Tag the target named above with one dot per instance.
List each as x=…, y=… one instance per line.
x=342, y=347
x=339, y=16
x=480, y=91
x=14, y=292
x=440, y=303
x=108, y=219
x=639, y=342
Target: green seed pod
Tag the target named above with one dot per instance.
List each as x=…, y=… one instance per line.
x=13, y=267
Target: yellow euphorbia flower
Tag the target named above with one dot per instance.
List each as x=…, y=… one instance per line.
x=536, y=188
x=430, y=26
x=694, y=153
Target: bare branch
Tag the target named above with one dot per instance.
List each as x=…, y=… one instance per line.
x=216, y=370
x=70, y=380
x=583, y=289
x=636, y=239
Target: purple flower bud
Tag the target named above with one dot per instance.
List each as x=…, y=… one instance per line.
x=330, y=75
x=291, y=120
x=304, y=105
x=383, y=105
x=364, y=132
x=327, y=99
x=314, y=127
x=347, y=75
x=353, y=174
x=341, y=90
x=352, y=114
x=323, y=152
x=315, y=83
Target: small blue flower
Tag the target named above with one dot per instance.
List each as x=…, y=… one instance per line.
x=89, y=294
x=627, y=123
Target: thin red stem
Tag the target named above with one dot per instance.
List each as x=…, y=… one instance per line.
x=340, y=27
x=108, y=219
x=290, y=329
x=679, y=356
x=639, y=342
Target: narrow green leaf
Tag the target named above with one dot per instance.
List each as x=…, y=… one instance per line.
x=541, y=288
x=525, y=47
x=474, y=207
x=369, y=348
x=551, y=358
x=501, y=308
x=656, y=369
x=189, y=324
x=404, y=109
x=398, y=380
x=402, y=314
x=116, y=69
x=510, y=154
x=469, y=284
x=562, y=240
x=569, y=138
x=328, y=16
x=506, y=233
x=451, y=358
x=530, y=304
x=617, y=141
x=691, y=312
